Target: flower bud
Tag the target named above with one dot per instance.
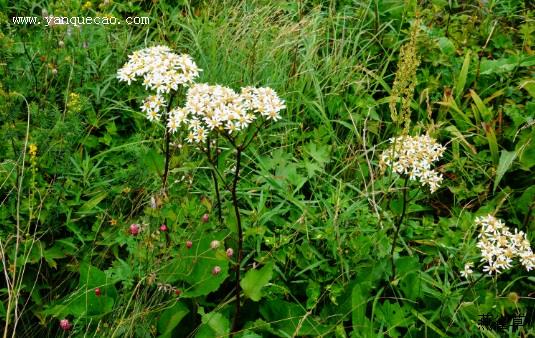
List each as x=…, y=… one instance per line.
x=216, y=270
x=205, y=218
x=163, y=227
x=97, y=292
x=134, y=229
x=230, y=252
x=214, y=244
x=65, y=325
x=189, y=244
x=61, y=44
x=178, y=292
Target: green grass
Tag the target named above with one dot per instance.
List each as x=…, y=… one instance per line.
x=318, y=213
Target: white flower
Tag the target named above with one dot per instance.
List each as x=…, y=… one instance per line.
x=413, y=156
x=162, y=70
x=218, y=108
x=499, y=246
x=467, y=271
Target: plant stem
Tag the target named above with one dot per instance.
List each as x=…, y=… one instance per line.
x=240, y=236
x=167, y=157
x=213, y=161
x=167, y=142
x=462, y=298
x=398, y=226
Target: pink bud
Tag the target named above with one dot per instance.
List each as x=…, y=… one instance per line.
x=65, y=325
x=97, y=292
x=230, y=252
x=163, y=227
x=134, y=229
x=189, y=244
x=214, y=244
x=205, y=218
x=216, y=270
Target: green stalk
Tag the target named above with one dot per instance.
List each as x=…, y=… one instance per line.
x=398, y=226
x=240, y=236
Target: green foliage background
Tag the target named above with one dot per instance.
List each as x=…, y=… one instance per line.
x=318, y=212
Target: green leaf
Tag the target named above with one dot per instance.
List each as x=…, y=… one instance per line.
x=461, y=81
x=291, y=319
x=359, y=301
x=193, y=267
x=255, y=280
x=446, y=46
x=85, y=302
x=171, y=317
x=427, y=322
x=52, y=254
x=93, y=202
x=506, y=160
x=214, y=324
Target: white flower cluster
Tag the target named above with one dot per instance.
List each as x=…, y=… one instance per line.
x=162, y=71
x=214, y=107
x=499, y=246
x=413, y=156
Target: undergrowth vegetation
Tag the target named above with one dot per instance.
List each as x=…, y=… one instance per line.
x=390, y=193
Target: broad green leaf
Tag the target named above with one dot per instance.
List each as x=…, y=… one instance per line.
x=446, y=46
x=85, y=302
x=214, y=325
x=493, y=142
x=255, y=280
x=93, y=202
x=171, y=317
x=291, y=319
x=506, y=160
x=193, y=268
x=484, y=112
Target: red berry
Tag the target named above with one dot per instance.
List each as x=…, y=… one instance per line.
x=178, y=292
x=189, y=244
x=205, y=218
x=134, y=229
x=163, y=227
x=65, y=325
x=97, y=292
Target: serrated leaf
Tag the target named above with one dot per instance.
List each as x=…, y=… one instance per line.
x=255, y=280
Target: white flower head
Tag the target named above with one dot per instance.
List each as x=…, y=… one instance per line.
x=499, y=246
x=413, y=156
x=161, y=69
x=215, y=108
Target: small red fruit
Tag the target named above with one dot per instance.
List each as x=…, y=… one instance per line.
x=65, y=325
x=97, y=292
x=189, y=244
x=134, y=229
x=205, y=218
x=163, y=227
x=178, y=292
